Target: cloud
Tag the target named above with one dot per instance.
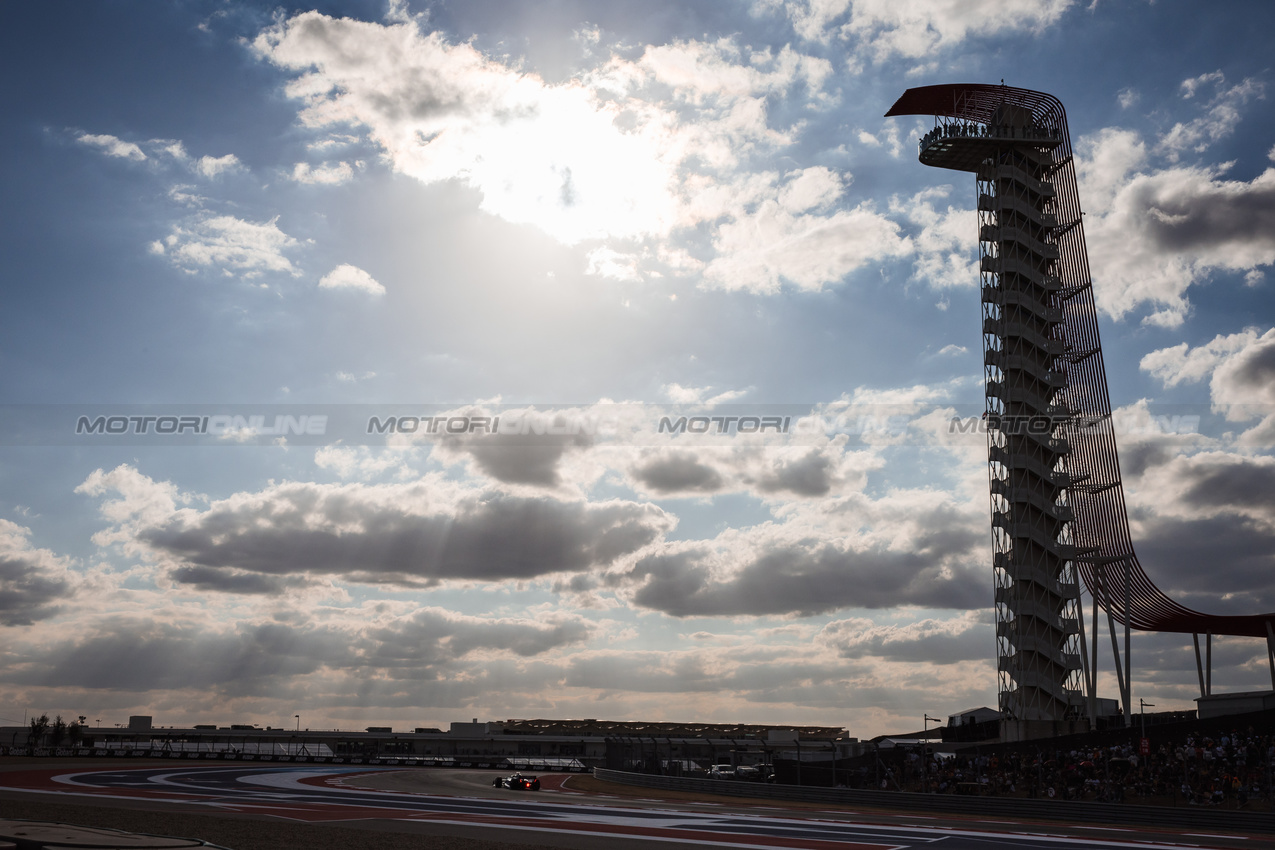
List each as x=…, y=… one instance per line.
x=33, y=582
x=944, y=244
x=1191, y=513
x=1191, y=85
x=679, y=394
x=1225, y=482
x=1185, y=556
x=676, y=472
x=1104, y=162
x=410, y=534
x=236, y=581
x=1220, y=120
x=890, y=140
x=769, y=678
x=169, y=655
x=649, y=672
x=346, y=276
x=437, y=633
x=606, y=262
x=811, y=473
x=113, y=146
x=1200, y=507
x=211, y=167
x=261, y=659
x=1241, y=366
x=1153, y=234
x=1181, y=363
x=924, y=550
x=699, y=71
x=206, y=166
x=325, y=175
x=1224, y=224
x=968, y=637
x=633, y=151
x=530, y=460
x=800, y=580
x=529, y=448
x=230, y=244
x=141, y=501
x=791, y=237
x=769, y=472
x=884, y=29
x=553, y=156
x=364, y=462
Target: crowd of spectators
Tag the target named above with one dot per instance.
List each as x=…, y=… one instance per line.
x=1231, y=769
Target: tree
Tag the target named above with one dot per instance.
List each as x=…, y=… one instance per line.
x=58, y=732
x=39, y=726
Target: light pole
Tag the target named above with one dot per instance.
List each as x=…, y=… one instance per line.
x=925, y=758
x=1142, y=704
x=876, y=756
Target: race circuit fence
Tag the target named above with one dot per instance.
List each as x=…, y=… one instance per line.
x=556, y=765
x=1044, y=810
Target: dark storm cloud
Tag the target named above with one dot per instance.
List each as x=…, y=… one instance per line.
x=804, y=580
x=1164, y=665
x=524, y=464
x=1195, y=218
x=374, y=535
x=677, y=472
x=134, y=655
x=32, y=581
x=27, y=594
x=809, y=475
x=518, y=458
x=1220, y=565
x=1138, y=457
x=1242, y=484
x=1252, y=370
x=431, y=636
x=233, y=581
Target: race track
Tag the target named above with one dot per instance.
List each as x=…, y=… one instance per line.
x=413, y=800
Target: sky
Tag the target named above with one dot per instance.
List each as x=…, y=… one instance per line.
x=589, y=220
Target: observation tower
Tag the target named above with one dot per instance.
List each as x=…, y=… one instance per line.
x=1057, y=503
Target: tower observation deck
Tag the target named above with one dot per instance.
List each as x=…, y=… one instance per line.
x=1057, y=504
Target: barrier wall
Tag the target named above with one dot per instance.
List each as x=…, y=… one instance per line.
x=1051, y=810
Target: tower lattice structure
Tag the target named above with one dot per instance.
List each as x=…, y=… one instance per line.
x=1057, y=500
x=1016, y=154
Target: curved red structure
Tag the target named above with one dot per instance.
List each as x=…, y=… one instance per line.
x=992, y=131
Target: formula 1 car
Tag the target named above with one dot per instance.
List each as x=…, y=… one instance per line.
x=517, y=782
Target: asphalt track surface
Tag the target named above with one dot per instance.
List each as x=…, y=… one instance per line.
x=423, y=801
